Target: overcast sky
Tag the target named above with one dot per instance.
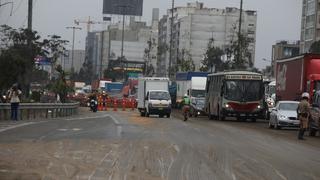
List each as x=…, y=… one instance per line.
x=277, y=19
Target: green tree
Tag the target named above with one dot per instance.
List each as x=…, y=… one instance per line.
x=315, y=47
x=54, y=47
x=241, y=57
x=212, y=58
x=60, y=86
x=18, y=50
x=185, y=62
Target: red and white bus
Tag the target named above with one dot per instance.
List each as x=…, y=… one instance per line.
x=237, y=94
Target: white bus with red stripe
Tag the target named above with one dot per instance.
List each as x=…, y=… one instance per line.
x=237, y=94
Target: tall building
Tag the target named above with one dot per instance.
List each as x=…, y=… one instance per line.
x=193, y=27
x=139, y=46
x=78, y=60
x=283, y=49
x=310, y=24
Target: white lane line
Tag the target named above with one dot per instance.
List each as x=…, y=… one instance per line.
x=20, y=125
x=101, y=161
x=116, y=122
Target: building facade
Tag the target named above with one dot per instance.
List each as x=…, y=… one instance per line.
x=194, y=26
x=310, y=25
x=78, y=60
x=139, y=46
x=283, y=49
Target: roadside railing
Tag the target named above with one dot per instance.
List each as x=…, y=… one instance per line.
x=39, y=110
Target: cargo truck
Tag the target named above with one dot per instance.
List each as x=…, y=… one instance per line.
x=191, y=83
x=154, y=97
x=297, y=75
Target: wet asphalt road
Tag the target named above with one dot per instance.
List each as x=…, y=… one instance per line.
x=122, y=145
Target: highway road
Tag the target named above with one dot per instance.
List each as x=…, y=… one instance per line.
x=124, y=146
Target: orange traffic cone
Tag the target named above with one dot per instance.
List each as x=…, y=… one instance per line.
x=115, y=104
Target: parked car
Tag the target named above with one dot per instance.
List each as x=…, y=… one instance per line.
x=314, y=120
x=197, y=107
x=284, y=115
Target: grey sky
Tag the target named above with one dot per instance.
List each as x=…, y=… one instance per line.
x=277, y=19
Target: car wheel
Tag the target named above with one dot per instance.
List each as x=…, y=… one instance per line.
x=168, y=115
x=147, y=114
x=253, y=120
x=161, y=116
x=142, y=114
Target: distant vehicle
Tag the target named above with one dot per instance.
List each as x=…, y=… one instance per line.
x=197, y=107
x=237, y=94
x=297, y=75
x=270, y=97
x=314, y=120
x=154, y=97
x=284, y=115
x=114, y=86
x=191, y=83
x=99, y=85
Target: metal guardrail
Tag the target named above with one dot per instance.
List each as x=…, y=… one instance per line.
x=39, y=110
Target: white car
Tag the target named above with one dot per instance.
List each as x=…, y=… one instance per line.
x=284, y=115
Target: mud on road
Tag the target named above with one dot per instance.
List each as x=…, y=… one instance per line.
x=123, y=145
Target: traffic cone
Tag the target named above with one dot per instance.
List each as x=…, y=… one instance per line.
x=115, y=104
x=123, y=104
x=132, y=104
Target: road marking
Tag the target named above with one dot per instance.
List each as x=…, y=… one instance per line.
x=176, y=147
x=116, y=122
x=101, y=161
x=20, y=125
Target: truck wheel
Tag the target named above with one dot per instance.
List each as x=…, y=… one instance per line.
x=168, y=115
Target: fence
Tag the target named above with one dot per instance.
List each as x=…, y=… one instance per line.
x=39, y=110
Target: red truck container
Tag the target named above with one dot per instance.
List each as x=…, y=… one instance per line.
x=297, y=75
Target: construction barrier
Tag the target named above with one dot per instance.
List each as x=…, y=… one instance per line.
x=115, y=104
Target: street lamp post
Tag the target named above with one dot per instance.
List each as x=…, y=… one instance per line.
x=73, y=38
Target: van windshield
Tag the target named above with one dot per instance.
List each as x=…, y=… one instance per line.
x=198, y=93
x=158, y=95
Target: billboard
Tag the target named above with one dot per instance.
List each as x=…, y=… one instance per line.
x=127, y=7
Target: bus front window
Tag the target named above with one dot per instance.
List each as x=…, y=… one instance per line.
x=240, y=90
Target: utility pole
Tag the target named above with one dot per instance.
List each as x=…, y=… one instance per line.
x=171, y=41
x=124, y=7
x=239, y=35
x=73, y=38
x=30, y=7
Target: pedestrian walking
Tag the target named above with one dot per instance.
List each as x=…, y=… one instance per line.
x=303, y=112
x=14, y=97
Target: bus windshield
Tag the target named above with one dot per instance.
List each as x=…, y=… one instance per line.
x=240, y=90
x=198, y=93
